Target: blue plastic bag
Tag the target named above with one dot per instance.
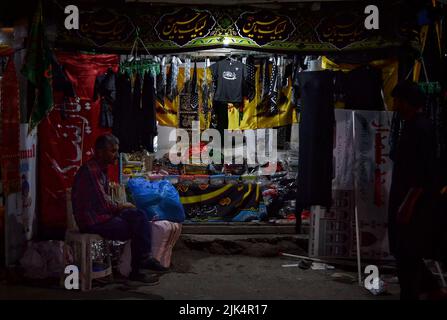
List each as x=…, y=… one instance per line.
x=159, y=199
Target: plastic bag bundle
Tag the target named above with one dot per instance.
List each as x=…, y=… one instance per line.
x=158, y=199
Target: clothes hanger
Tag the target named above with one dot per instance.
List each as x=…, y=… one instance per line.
x=139, y=63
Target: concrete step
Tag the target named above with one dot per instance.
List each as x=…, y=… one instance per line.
x=243, y=237
x=260, y=245
x=234, y=228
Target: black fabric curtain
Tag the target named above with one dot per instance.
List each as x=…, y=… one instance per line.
x=316, y=138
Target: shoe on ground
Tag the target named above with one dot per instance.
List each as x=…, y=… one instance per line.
x=147, y=279
x=153, y=265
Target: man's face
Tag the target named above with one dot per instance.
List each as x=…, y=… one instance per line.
x=109, y=155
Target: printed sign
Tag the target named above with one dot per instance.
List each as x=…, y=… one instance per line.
x=342, y=29
x=264, y=27
x=373, y=173
x=104, y=26
x=185, y=25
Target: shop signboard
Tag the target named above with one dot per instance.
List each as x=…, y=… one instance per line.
x=333, y=27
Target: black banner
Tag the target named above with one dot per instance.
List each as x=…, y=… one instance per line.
x=264, y=27
x=333, y=27
x=185, y=26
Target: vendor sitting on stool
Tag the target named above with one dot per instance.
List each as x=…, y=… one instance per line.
x=95, y=212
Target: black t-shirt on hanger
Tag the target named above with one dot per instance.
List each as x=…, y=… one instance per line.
x=229, y=76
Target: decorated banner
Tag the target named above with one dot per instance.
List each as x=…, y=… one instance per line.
x=68, y=136
x=21, y=220
x=185, y=25
x=228, y=202
x=300, y=27
x=37, y=68
x=264, y=27
x=343, y=151
x=373, y=173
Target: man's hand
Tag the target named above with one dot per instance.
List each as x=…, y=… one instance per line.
x=126, y=205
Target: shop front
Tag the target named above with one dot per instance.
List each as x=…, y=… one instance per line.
x=233, y=108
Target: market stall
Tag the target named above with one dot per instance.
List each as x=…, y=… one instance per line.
x=273, y=72
x=239, y=69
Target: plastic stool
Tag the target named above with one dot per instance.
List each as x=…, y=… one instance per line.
x=81, y=253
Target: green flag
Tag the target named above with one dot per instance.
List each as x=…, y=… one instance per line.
x=38, y=69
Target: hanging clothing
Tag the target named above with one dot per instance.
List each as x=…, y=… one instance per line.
x=147, y=126
x=266, y=78
x=316, y=138
x=187, y=77
x=60, y=80
x=126, y=111
x=250, y=81
x=205, y=93
x=362, y=89
x=194, y=90
x=293, y=69
x=105, y=89
x=135, y=116
x=280, y=64
x=221, y=118
x=229, y=78
x=261, y=78
x=269, y=104
x=273, y=89
x=172, y=90
x=162, y=82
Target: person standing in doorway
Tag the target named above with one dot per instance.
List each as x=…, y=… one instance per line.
x=413, y=184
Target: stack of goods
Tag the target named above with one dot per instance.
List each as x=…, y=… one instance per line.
x=195, y=169
x=131, y=169
x=279, y=197
x=292, y=159
x=164, y=165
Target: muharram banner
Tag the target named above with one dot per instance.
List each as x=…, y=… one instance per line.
x=373, y=174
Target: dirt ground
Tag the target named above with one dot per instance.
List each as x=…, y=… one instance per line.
x=223, y=270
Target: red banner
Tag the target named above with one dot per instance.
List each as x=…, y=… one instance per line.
x=67, y=137
x=10, y=115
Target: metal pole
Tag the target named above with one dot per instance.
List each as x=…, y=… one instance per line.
x=357, y=231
